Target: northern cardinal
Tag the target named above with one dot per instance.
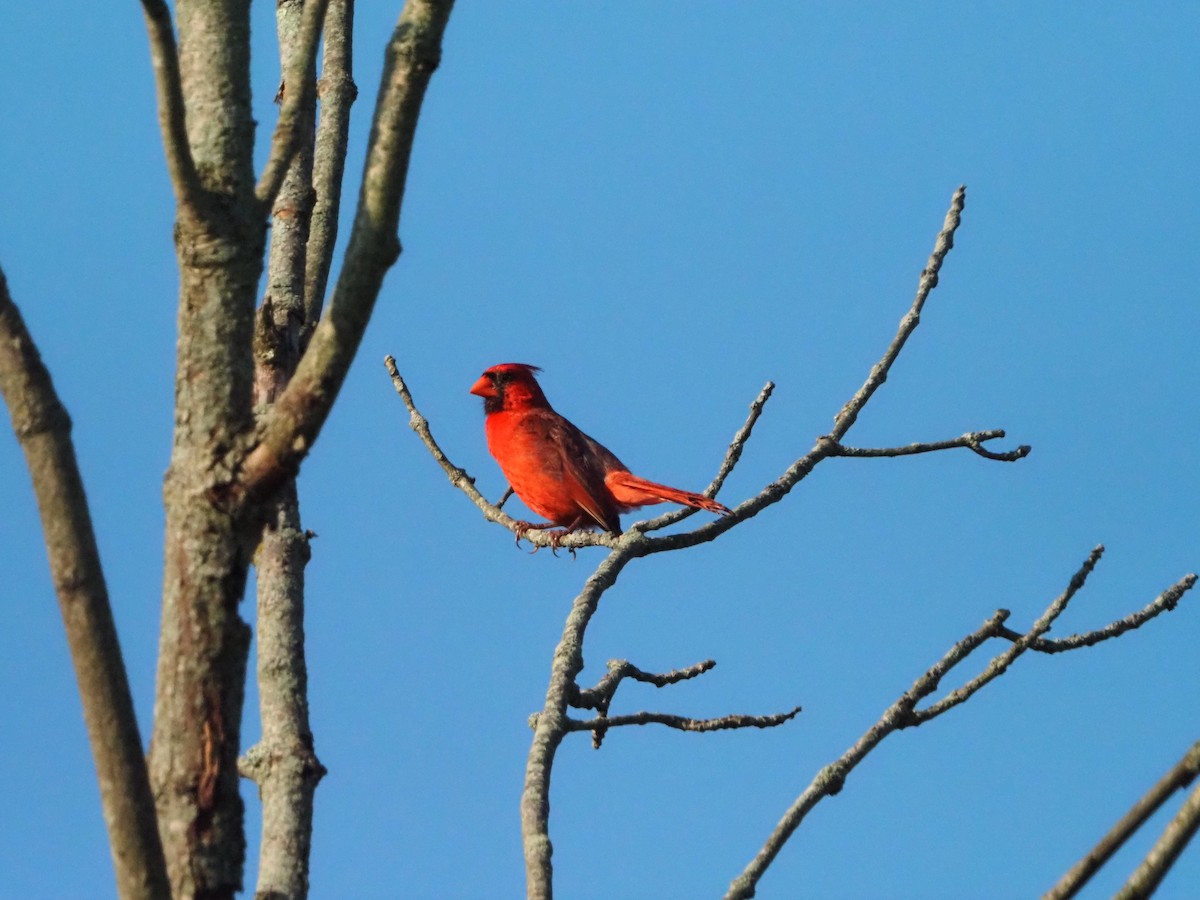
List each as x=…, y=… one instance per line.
x=556, y=469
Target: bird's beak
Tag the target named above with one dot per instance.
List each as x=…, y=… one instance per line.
x=484, y=387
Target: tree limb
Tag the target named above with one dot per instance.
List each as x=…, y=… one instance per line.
x=296, y=418
x=904, y=714
x=929, y=279
x=203, y=641
x=682, y=723
x=337, y=93
x=552, y=724
x=284, y=763
x=43, y=429
x=1175, y=837
x=1164, y=602
x=1179, y=777
x=172, y=112
x=298, y=90
x=973, y=441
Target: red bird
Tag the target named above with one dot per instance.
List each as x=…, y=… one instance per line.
x=556, y=469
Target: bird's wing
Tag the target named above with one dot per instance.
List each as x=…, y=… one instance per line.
x=571, y=458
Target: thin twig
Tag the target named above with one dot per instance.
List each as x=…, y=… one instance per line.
x=732, y=455
x=1000, y=664
x=1180, y=776
x=929, y=279
x=973, y=441
x=682, y=723
x=299, y=90
x=172, y=116
x=601, y=695
x=1164, y=602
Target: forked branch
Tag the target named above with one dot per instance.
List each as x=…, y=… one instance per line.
x=905, y=714
x=297, y=416
x=600, y=697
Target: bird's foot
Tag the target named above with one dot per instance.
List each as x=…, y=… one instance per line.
x=521, y=527
x=556, y=541
x=555, y=536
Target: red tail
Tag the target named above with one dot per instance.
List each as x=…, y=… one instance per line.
x=630, y=491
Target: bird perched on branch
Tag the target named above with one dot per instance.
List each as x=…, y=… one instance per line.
x=556, y=469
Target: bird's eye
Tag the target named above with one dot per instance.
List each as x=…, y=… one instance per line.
x=499, y=378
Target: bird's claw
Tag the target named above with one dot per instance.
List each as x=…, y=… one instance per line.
x=521, y=528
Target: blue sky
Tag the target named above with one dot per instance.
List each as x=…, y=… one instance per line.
x=664, y=206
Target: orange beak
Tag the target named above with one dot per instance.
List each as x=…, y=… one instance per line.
x=484, y=387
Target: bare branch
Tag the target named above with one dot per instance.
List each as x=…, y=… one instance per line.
x=172, y=115
x=929, y=279
x=1000, y=664
x=1180, y=776
x=973, y=441
x=682, y=723
x=1175, y=837
x=732, y=455
x=904, y=714
x=828, y=445
x=43, y=429
x=830, y=779
x=299, y=91
x=601, y=695
x=1164, y=602
x=551, y=725
x=284, y=763
x=296, y=418
x=337, y=94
